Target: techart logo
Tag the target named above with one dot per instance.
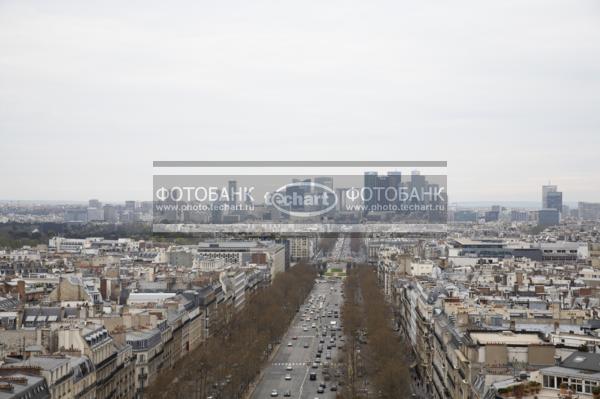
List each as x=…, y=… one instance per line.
x=303, y=199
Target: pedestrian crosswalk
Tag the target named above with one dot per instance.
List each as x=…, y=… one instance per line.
x=291, y=364
x=333, y=364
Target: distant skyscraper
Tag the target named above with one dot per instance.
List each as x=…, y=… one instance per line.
x=418, y=182
x=376, y=185
x=95, y=214
x=110, y=213
x=297, y=192
x=395, y=181
x=370, y=182
x=545, y=190
x=216, y=214
x=554, y=200
x=382, y=197
x=323, y=193
x=95, y=211
x=94, y=203
x=343, y=200
x=326, y=181
x=588, y=210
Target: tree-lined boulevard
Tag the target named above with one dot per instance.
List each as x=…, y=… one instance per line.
x=375, y=355
x=230, y=360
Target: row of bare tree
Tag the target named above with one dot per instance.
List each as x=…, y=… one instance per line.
x=226, y=363
x=376, y=356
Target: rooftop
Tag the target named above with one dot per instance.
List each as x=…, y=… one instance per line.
x=29, y=381
x=44, y=362
x=583, y=361
x=505, y=337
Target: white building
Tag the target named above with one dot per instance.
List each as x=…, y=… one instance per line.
x=300, y=248
x=421, y=268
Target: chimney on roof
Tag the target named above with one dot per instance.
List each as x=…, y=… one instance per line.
x=557, y=360
x=519, y=278
x=21, y=290
x=523, y=376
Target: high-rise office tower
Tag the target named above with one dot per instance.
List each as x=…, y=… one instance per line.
x=94, y=203
x=297, y=192
x=110, y=213
x=554, y=200
x=545, y=190
x=378, y=197
x=326, y=181
x=588, y=210
x=371, y=184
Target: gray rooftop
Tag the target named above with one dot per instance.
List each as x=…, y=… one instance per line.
x=35, y=384
x=44, y=362
x=583, y=361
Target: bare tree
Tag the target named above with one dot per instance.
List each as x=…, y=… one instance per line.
x=228, y=361
x=368, y=327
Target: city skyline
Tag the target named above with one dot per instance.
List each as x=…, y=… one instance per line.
x=516, y=202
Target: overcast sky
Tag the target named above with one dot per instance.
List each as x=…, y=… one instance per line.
x=508, y=92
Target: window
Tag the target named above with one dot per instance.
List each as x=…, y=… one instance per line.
x=550, y=382
x=577, y=383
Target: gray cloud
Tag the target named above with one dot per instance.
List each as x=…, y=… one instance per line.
x=92, y=93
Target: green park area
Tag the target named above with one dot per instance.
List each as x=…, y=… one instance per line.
x=335, y=272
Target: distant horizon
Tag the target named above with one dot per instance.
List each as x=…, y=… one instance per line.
x=469, y=203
